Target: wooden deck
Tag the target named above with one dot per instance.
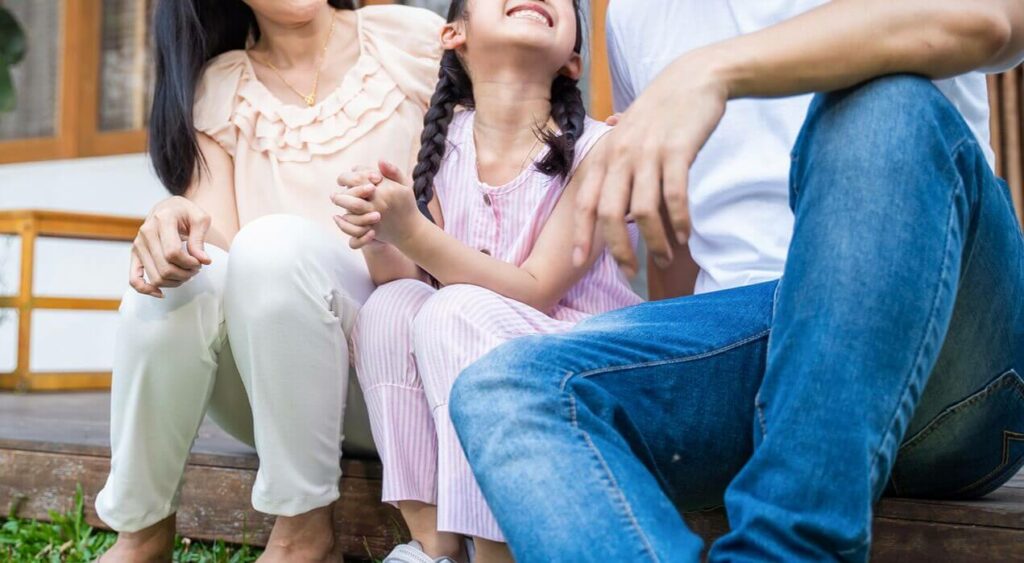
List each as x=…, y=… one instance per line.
x=50, y=443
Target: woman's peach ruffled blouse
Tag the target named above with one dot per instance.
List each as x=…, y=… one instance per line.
x=287, y=157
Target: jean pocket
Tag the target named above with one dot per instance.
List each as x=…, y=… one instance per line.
x=968, y=450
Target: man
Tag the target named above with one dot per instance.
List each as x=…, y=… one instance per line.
x=886, y=360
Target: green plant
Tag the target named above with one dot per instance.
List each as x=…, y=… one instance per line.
x=68, y=538
x=12, y=50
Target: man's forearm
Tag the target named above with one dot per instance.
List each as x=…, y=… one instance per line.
x=846, y=42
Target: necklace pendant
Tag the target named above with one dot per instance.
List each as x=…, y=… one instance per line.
x=310, y=100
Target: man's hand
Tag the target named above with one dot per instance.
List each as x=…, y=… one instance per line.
x=645, y=163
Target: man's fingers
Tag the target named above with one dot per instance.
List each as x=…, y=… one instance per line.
x=586, y=211
x=352, y=204
x=137, y=279
x=675, y=177
x=171, y=245
x=645, y=208
x=611, y=214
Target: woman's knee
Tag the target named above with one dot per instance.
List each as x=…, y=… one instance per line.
x=193, y=310
x=272, y=248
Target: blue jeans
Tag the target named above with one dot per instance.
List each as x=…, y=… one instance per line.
x=887, y=359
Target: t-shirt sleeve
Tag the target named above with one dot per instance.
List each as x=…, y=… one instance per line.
x=623, y=92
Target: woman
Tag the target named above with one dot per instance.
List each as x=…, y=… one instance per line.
x=243, y=288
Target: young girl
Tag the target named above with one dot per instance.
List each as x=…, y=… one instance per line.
x=488, y=218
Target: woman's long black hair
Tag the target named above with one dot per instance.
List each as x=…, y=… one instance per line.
x=187, y=34
x=455, y=88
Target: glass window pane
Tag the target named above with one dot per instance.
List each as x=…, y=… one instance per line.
x=126, y=69
x=36, y=76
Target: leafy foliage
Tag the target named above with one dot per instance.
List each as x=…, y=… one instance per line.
x=69, y=539
x=12, y=51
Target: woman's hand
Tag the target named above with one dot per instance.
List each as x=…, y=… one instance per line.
x=158, y=252
x=644, y=165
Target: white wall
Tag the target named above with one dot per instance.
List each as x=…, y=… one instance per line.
x=119, y=185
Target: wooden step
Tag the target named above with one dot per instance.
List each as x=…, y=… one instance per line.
x=51, y=443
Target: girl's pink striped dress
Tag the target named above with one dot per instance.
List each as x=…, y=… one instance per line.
x=411, y=341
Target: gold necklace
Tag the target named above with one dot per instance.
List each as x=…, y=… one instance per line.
x=310, y=99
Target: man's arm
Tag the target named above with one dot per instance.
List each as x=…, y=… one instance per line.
x=647, y=157
x=846, y=42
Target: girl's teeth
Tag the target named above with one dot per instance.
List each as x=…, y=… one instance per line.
x=530, y=15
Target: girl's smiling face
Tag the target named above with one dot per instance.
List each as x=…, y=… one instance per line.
x=545, y=31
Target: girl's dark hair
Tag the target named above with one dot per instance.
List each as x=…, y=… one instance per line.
x=455, y=88
x=187, y=34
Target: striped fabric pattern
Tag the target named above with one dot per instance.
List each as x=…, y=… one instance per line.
x=411, y=341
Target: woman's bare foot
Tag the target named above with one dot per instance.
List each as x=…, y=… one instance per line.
x=152, y=544
x=306, y=538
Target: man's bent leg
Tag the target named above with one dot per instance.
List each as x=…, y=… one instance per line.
x=893, y=200
x=587, y=444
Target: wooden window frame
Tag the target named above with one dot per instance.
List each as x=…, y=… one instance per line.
x=77, y=131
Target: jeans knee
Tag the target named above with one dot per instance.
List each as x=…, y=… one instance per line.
x=890, y=128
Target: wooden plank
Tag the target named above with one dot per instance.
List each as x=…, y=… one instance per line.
x=995, y=121
x=66, y=381
x=29, y=150
x=600, y=73
x=902, y=541
x=75, y=303
x=1013, y=159
x=28, y=248
x=214, y=500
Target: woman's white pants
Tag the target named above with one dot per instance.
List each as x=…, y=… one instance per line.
x=257, y=340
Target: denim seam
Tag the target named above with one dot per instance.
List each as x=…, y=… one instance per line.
x=918, y=363
x=1009, y=378
x=663, y=362
x=1007, y=438
x=614, y=489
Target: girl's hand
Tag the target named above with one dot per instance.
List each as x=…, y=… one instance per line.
x=395, y=203
x=358, y=187
x=158, y=250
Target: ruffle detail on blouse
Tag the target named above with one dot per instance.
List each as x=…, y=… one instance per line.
x=367, y=97
x=398, y=60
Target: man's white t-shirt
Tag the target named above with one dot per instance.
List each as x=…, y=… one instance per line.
x=739, y=184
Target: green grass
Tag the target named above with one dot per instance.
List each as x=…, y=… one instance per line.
x=68, y=538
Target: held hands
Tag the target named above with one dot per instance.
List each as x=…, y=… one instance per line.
x=158, y=252
x=380, y=205
x=641, y=171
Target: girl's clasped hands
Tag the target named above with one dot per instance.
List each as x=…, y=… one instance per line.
x=380, y=204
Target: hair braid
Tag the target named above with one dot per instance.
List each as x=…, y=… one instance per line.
x=569, y=113
x=453, y=88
